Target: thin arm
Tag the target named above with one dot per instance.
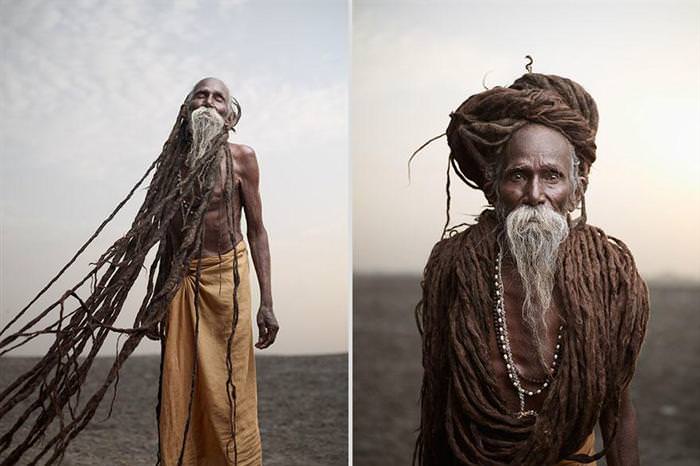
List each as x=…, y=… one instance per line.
x=623, y=450
x=256, y=232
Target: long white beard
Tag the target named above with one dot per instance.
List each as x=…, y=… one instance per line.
x=534, y=236
x=205, y=125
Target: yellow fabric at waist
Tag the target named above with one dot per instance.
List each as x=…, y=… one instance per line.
x=588, y=448
x=199, y=324
x=223, y=261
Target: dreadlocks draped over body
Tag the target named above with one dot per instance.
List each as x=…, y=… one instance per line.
x=188, y=175
x=583, y=306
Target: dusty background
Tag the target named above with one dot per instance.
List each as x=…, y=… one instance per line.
x=387, y=374
x=302, y=407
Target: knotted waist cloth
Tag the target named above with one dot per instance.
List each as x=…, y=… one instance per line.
x=210, y=437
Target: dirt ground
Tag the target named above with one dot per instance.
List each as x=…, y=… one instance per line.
x=303, y=414
x=387, y=374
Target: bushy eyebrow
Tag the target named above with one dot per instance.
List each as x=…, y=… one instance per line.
x=205, y=89
x=545, y=168
x=527, y=168
x=553, y=168
x=516, y=167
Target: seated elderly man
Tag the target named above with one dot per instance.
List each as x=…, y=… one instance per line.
x=531, y=320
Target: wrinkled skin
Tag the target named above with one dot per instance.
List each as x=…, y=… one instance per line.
x=536, y=170
x=213, y=93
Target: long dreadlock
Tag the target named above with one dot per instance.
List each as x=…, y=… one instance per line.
x=51, y=389
x=605, y=310
x=605, y=302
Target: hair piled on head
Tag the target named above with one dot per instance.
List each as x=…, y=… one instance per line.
x=49, y=393
x=485, y=122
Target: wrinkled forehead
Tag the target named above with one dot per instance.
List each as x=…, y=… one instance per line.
x=211, y=85
x=535, y=141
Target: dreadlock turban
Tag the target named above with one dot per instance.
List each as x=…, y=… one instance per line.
x=481, y=126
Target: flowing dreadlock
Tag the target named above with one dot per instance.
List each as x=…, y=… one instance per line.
x=605, y=310
x=51, y=390
x=604, y=313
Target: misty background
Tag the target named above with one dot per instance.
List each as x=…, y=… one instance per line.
x=90, y=91
x=415, y=62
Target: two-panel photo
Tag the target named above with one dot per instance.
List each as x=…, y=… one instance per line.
x=349, y=232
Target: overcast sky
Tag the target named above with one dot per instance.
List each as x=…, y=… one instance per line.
x=415, y=62
x=90, y=90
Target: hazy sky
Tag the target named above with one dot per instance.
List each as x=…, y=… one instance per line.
x=415, y=62
x=90, y=90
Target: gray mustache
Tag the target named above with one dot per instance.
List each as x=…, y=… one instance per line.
x=205, y=124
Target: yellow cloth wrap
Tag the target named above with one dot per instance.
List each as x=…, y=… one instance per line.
x=209, y=438
x=588, y=448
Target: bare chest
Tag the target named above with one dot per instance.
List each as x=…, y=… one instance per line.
x=224, y=197
x=516, y=351
x=221, y=219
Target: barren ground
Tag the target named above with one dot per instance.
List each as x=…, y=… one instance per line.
x=387, y=374
x=302, y=407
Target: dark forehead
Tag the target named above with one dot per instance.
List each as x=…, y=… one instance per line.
x=538, y=142
x=212, y=85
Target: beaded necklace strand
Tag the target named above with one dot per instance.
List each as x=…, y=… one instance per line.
x=503, y=343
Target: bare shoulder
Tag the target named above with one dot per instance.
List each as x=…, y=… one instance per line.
x=241, y=150
x=245, y=160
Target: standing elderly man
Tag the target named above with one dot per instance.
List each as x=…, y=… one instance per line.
x=532, y=321
x=198, y=303
x=208, y=398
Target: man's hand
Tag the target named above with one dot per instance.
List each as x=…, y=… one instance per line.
x=267, y=327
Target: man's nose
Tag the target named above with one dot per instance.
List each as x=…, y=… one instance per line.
x=535, y=193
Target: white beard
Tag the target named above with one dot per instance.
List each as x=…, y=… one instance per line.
x=205, y=124
x=534, y=235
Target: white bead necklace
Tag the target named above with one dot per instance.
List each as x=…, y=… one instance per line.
x=504, y=347
x=185, y=204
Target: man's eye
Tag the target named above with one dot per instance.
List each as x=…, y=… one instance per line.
x=516, y=176
x=553, y=176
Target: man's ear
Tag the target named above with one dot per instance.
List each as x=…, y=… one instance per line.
x=228, y=121
x=234, y=114
x=581, y=186
x=489, y=192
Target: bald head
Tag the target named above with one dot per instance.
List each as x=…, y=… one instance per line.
x=213, y=93
x=211, y=82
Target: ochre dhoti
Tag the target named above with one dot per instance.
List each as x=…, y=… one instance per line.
x=210, y=441
x=588, y=448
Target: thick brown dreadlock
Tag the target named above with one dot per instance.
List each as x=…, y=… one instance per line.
x=605, y=310
x=50, y=391
x=605, y=302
